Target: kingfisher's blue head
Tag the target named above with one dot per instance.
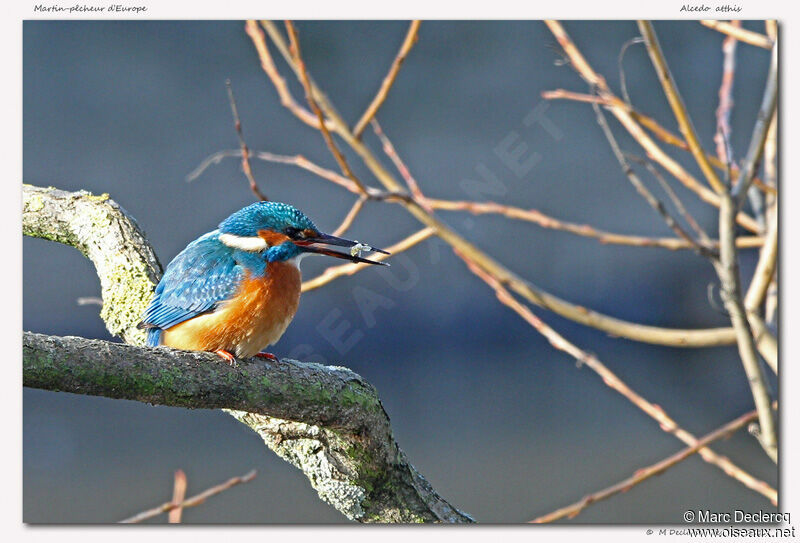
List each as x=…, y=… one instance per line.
x=283, y=232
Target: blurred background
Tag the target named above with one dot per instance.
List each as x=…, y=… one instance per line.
x=502, y=425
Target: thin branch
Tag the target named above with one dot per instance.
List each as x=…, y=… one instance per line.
x=302, y=162
x=672, y=196
x=765, y=269
x=405, y=173
x=248, y=172
x=295, y=160
x=666, y=423
x=677, y=105
x=616, y=327
x=650, y=124
x=641, y=475
x=622, y=83
x=771, y=177
x=171, y=507
x=388, y=81
x=298, y=59
x=350, y=217
x=476, y=208
x=771, y=26
x=766, y=342
x=178, y=496
x=723, y=135
x=654, y=202
x=546, y=221
x=341, y=270
x=741, y=34
x=760, y=131
x=257, y=36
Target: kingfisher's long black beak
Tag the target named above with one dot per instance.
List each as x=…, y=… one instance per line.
x=310, y=245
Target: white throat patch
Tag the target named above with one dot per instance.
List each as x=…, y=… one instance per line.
x=252, y=244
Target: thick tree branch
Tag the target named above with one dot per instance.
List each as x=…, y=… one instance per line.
x=100, y=229
x=325, y=420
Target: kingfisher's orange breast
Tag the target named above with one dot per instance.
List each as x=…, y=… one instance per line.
x=254, y=318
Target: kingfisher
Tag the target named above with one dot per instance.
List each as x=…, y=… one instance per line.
x=234, y=290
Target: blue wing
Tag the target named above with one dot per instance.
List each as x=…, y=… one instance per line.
x=202, y=276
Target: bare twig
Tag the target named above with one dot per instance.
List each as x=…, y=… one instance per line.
x=641, y=475
x=349, y=269
x=248, y=172
x=191, y=502
x=759, y=135
x=351, y=216
x=723, y=134
x=388, y=81
x=178, y=495
x=611, y=380
x=672, y=196
x=741, y=34
x=766, y=342
x=546, y=221
x=654, y=202
x=650, y=124
x=405, y=173
x=771, y=177
x=677, y=105
x=765, y=269
x=771, y=26
x=257, y=36
x=622, y=83
x=302, y=162
x=295, y=160
x=298, y=60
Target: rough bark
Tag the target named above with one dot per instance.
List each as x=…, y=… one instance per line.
x=325, y=420
x=100, y=229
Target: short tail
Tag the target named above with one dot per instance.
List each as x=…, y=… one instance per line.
x=154, y=337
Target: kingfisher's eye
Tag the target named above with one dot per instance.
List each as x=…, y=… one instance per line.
x=294, y=233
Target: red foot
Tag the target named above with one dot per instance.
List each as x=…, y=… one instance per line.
x=226, y=356
x=270, y=356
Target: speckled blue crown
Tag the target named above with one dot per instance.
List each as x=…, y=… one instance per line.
x=265, y=216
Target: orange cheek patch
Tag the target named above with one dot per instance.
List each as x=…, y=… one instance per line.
x=272, y=238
